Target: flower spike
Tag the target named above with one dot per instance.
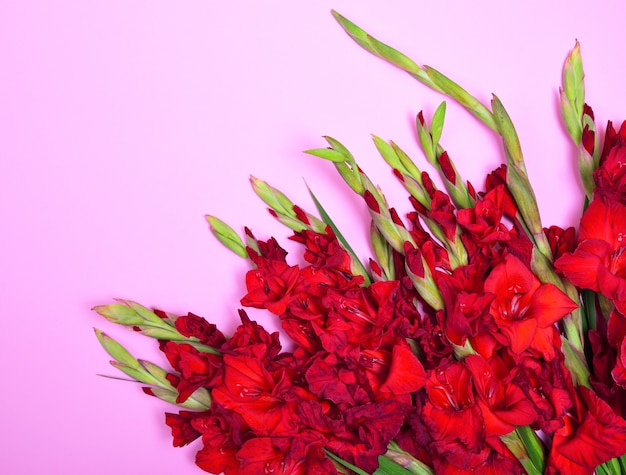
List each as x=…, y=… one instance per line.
x=426, y=75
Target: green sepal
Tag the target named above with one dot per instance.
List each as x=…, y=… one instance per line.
x=115, y=350
x=170, y=396
x=227, y=236
x=273, y=197
x=357, y=266
x=570, y=118
x=460, y=95
x=436, y=125
x=383, y=51
x=408, y=164
x=327, y=154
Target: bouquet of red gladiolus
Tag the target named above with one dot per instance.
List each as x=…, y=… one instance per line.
x=475, y=341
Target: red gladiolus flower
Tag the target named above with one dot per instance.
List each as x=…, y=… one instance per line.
x=524, y=309
x=324, y=250
x=251, y=339
x=191, y=325
x=251, y=391
x=453, y=418
x=610, y=177
x=223, y=433
x=271, y=286
x=561, y=240
x=588, y=439
x=484, y=221
x=196, y=368
x=330, y=379
x=183, y=431
x=503, y=405
x=359, y=434
x=394, y=374
x=599, y=261
x=273, y=455
x=467, y=307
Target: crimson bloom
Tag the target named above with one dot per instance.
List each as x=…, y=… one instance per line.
x=589, y=438
x=252, y=391
x=503, y=404
x=524, y=309
x=599, y=261
x=610, y=177
x=271, y=286
x=453, y=419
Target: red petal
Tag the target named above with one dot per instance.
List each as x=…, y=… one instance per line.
x=549, y=305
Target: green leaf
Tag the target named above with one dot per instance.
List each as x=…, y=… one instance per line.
x=343, y=463
x=534, y=447
x=387, y=467
x=327, y=219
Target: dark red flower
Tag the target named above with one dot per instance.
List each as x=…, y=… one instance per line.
x=271, y=286
x=467, y=305
x=183, y=431
x=589, y=438
x=503, y=404
x=324, y=250
x=454, y=420
x=251, y=339
x=484, y=220
x=359, y=434
x=197, y=369
x=191, y=325
x=599, y=261
x=269, y=455
x=266, y=401
x=393, y=374
x=561, y=240
x=526, y=310
x=610, y=177
x=223, y=433
x=442, y=213
x=329, y=378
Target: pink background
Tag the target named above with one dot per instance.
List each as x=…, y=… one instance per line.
x=123, y=122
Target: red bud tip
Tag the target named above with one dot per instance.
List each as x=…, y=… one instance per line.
x=148, y=391
x=418, y=206
x=301, y=215
x=420, y=117
x=588, y=139
x=398, y=175
x=376, y=269
x=371, y=201
x=395, y=217
x=428, y=184
x=446, y=168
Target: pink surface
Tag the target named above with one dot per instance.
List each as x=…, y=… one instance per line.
x=123, y=123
